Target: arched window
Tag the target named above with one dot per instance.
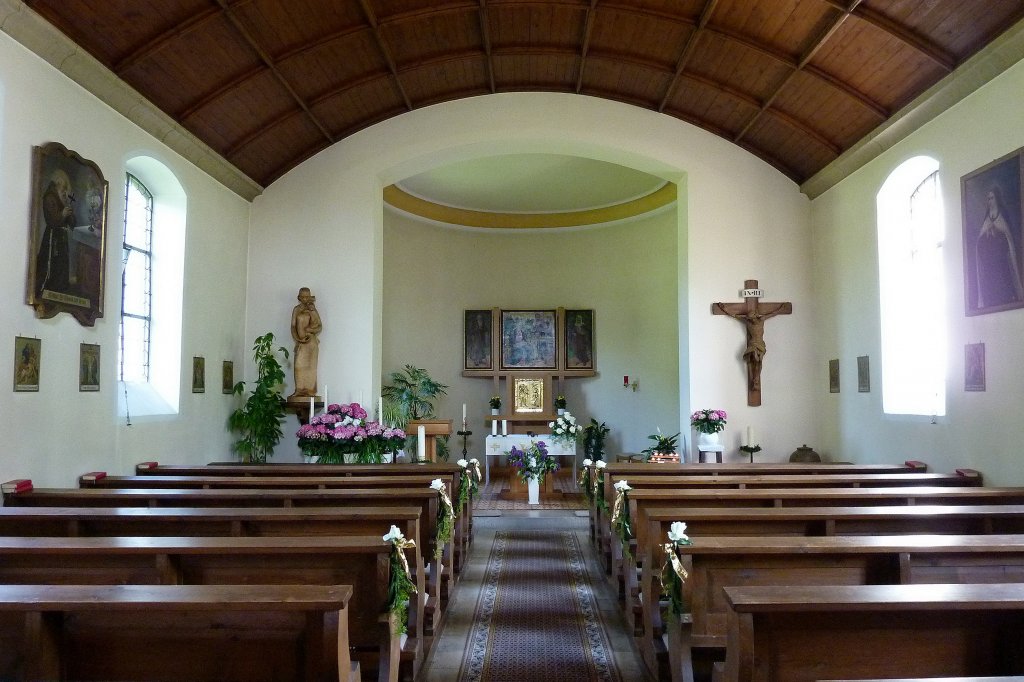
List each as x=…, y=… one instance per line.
x=153, y=261
x=911, y=231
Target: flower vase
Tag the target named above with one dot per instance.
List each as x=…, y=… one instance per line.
x=495, y=411
x=561, y=411
x=533, y=490
x=350, y=458
x=709, y=442
x=311, y=459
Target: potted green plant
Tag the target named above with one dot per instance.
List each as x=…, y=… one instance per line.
x=410, y=397
x=560, y=404
x=663, y=445
x=593, y=440
x=495, y=402
x=259, y=420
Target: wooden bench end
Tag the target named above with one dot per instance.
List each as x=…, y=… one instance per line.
x=18, y=485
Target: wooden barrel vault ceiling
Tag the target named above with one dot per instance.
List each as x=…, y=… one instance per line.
x=268, y=83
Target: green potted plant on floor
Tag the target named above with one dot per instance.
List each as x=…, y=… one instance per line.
x=259, y=420
x=594, y=435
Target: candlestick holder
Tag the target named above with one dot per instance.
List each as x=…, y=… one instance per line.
x=465, y=434
x=750, y=450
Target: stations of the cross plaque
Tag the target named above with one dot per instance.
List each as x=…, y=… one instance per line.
x=752, y=314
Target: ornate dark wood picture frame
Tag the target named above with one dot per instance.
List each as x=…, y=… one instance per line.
x=579, y=339
x=993, y=215
x=477, y=326
x=67, y=243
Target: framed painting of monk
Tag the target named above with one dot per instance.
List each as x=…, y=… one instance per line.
x=993, y=244
x=579, y=339
x=67, y=235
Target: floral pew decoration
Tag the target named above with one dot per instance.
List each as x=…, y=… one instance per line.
x=469, y=480
x=673, y=575
x=598, y=492
x=445, y=517
x=585, y=480
x=620, y=516
x=400, y=585
x=345, y=430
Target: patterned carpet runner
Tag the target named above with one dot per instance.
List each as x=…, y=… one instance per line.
x=537, y=619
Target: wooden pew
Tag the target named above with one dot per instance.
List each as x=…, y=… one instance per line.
x=962, y=477
x=433, y=469
x=642, y=595
x=681, y=498
x=735, y=469
x=237, y=522
x=361, y=561
x=716, y=562
x=440, y=574
x=451, y=479
x=200, y=633
x=808, y=633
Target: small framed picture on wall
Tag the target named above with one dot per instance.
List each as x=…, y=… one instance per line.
x=227, y=377
x=198, y=375
x=974, y=367
x=833, y=375
x=863, y=374
x=89, y=367
x=27, y=361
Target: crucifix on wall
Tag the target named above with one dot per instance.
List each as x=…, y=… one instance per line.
x=752, y=314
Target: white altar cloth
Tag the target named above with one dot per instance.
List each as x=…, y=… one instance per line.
x=498, y=446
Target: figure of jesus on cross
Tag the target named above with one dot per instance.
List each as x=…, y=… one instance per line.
x=752, y=314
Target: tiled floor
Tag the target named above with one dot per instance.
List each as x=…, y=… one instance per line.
x=446, y=658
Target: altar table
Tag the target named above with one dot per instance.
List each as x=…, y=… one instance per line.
x=498, y=446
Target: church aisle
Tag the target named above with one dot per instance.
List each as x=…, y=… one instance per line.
x=540, y=563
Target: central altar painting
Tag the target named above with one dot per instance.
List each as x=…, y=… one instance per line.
x=528, y=339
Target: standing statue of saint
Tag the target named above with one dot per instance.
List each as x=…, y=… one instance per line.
x=306, y=326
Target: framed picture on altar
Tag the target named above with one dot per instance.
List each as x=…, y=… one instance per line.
x=478, y=325
x=528, y=339
x=993, y=213
x=579, y=339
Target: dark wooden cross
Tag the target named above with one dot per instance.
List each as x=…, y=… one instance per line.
x=752, y=314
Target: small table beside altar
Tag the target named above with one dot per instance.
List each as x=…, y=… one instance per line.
x=498, y=446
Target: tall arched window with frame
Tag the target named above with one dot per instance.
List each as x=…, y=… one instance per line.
x=136, y=282
x=911, y=234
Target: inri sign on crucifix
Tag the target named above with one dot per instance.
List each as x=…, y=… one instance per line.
x=752, y=314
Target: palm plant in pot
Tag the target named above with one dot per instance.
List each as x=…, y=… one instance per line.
x=410, y=397
x=259, y=420
x=594, y=435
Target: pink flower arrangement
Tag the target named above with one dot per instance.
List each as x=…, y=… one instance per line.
x=344, y=429
x=708, y=421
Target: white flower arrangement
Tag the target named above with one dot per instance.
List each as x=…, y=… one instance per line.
x=565, y=428
x=474, y=461
x=437, y=484
x=393, y=535
x=621, y=486
x=600, y=464
x=677, y=532
x=463, y=463
x=588, y=462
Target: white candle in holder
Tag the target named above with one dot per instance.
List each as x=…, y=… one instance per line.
x=504, y=427
x=325, y=399
x=311, y=407
x=421, y=442
x=463, y=416
x=494, y=427
x=750, y=435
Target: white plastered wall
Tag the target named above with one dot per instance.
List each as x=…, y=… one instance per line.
x=980, y=430
x=56, y=434
x=321, y=225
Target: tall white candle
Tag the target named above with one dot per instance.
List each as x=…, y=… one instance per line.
x=311, y=407
x=504, y=427
x=421, y=442
x=494, y=427
x=750, y=435
x=463, y=416
x=325, y=399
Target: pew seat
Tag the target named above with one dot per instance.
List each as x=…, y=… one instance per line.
x=174, y=632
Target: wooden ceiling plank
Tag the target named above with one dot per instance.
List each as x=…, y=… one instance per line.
x=588, y=28
x=688, y=50
x=321, y=41
x=156, y=43
x=805, y=129
x=219, y=91
x=371, y=18
x=485, y=33
x=259, y=132
x=869, y=104
x=827, y=33
x=348, y=85
x=904, y=34
x=266, y=58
